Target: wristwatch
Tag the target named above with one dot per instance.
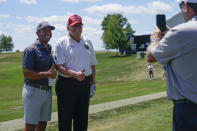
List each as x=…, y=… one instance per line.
x=155, y=39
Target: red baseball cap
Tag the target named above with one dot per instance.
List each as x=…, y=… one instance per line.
x=74, y=19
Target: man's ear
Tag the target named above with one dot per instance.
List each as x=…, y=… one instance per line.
x=187, y=8
x=37, y=33
x=190, y=10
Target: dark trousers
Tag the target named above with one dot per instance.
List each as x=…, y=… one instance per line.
x=185, y=117
x=73, y=103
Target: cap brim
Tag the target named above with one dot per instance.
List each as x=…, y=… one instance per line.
x=76, y=22
x=52, y=27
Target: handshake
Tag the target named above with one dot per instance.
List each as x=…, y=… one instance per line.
x=92, y=90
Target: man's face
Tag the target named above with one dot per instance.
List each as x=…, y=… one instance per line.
x=184, y=11
x=44, y=35
x=76, y=29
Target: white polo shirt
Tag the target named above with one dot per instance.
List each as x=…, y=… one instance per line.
x=150, y=67
x=75, y=56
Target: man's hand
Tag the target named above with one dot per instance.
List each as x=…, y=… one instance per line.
x=157, y=35
x=52, y=72
x=92, y=90
x=80, y=75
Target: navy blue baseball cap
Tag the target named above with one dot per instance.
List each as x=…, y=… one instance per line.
x=44, y=24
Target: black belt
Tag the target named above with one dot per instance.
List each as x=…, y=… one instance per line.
x=183, y=101
x=72, y=78
x=42, y=87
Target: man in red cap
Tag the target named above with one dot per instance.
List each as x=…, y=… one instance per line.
x=75, y=61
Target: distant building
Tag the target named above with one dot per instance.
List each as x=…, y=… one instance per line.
x=139, y=43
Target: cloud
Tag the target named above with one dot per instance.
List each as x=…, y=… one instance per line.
x=1, y=1
x=4, y=16
x=94, y=34
x=90, y=31
x=5, y=33
x=78, y=1
x=111, y=8
x=91, y=21
x=156, y=7
x=1, y=24
x=60, y=23
x=1, y=29
x=19, y=18
x=60, y=28
x=19, y=28
x=150, y=8
x=91, y=28
x=28, y=2
x=22, y=28
x=50, y=19
x=132, y=22
x=26, y=32
x=62, y=20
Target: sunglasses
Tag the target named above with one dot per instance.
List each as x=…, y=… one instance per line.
x=181, y=4
x=77, y=26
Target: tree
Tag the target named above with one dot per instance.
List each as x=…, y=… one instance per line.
x=128, y=31
x=6, y=43
x=115, y=36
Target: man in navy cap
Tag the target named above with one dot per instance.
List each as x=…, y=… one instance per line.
x=178, y=49
x=39, y=72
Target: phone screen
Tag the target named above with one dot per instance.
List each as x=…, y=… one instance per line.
x=161, y=22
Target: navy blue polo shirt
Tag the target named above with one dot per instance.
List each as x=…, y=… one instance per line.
x=37, y=58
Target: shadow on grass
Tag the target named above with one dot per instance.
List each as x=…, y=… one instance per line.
x=119, y=56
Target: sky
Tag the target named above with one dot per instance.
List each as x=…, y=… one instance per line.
x=19, y=18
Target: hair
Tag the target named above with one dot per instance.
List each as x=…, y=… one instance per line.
x=193, y=6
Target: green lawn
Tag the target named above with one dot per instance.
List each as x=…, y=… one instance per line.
x=117, y=78
x=154, y=115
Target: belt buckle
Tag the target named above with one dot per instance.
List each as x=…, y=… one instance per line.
x=42, y=87
x=88, y=77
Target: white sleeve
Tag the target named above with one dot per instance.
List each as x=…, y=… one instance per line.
x=59, y=53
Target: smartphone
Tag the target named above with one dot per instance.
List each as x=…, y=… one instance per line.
x=161, y=22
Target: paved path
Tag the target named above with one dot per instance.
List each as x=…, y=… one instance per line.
x=16, y=124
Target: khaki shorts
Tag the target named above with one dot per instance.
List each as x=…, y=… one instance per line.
x=37, y=104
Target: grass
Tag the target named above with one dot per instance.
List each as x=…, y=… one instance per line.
x=117, y=91
x=154, y=115
x=117, y=78
x=122, y=69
